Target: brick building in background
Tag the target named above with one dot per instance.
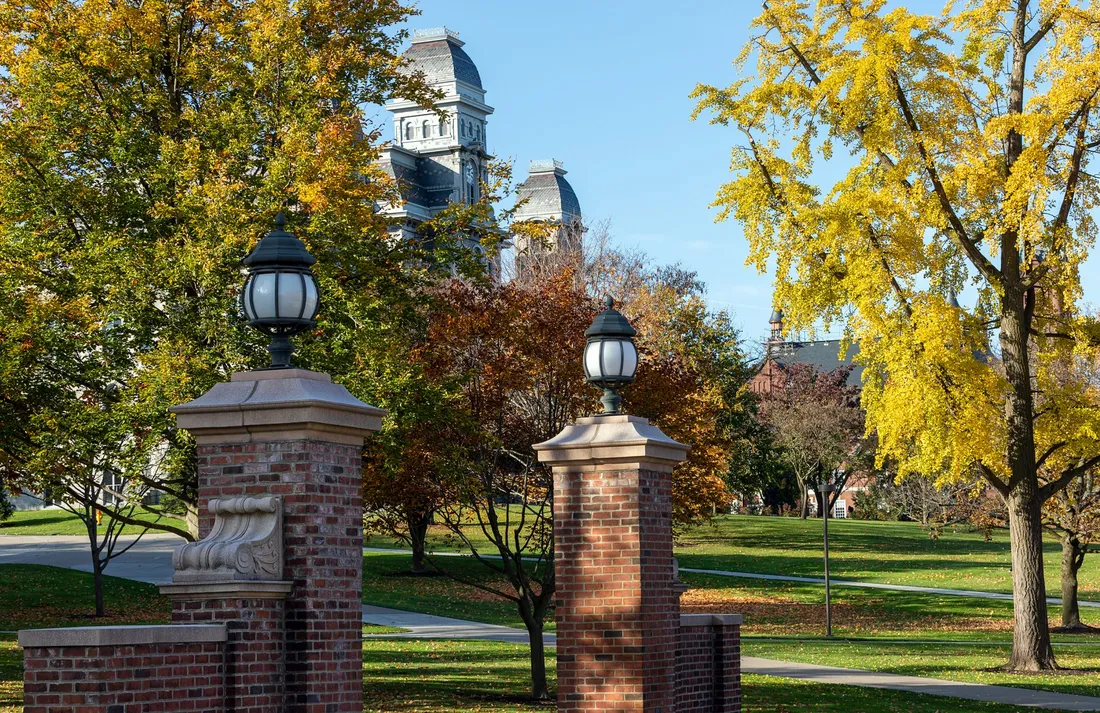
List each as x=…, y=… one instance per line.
x=824, y=355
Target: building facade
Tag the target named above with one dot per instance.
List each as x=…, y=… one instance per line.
x=823, y=355
x=440, y=156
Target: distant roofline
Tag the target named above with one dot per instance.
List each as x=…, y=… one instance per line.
x=547, y=165
x=434, y=34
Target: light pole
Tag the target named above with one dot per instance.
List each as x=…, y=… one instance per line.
x=825, y=489
x=610, y=357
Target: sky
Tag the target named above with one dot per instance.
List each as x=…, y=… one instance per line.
x=603, y=85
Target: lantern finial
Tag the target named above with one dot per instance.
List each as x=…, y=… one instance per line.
x=280, y=220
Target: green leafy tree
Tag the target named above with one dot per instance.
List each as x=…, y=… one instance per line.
x=144, y=148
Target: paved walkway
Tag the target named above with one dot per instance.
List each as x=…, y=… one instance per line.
x=150, y=561
x=875, y=585
x=806, y=580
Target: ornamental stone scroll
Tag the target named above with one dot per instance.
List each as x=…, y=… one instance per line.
x=245, y=544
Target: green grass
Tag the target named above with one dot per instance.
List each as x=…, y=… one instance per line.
x=887, y=552
x=59, y=522
x=36, y=596
x=953, y=663
x=406, y=675
x=768, y=694
x=386, y=584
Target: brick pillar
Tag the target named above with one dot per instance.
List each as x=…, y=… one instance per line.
x=618, y=612
x=291, y=437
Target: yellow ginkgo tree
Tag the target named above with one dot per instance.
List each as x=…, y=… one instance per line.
x=962, y=147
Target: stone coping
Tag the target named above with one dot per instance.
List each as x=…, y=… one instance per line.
x=87, y=636
x=710, y=620
x=278, y=404
x=611, y=439
x=226, y=589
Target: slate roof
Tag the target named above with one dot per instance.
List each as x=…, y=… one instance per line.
x=547, y=191
x=443, y=60
x=823, y=355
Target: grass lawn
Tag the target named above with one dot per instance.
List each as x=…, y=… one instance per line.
x=386, y=584
x=888, y=552
x=401, y=675
x=59, y=522
x=952, y=663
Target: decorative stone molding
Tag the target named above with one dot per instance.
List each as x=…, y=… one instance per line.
x=245, y=544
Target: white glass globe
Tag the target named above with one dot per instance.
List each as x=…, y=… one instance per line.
x=272, y=296
x=610, y=360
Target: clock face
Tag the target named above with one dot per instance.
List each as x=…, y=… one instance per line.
x=469, y=173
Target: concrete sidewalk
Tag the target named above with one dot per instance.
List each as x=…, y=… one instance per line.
x=150, y=560
x=804, y=580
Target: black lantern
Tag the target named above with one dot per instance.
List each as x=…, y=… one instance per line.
x=610, y=357
x=280, y=296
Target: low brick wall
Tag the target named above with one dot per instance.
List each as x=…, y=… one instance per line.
x=124, y=669
x=708, y=664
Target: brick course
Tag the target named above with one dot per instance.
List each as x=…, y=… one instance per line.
x=708, y=666
x=322, y=518
x=256, y=628
x=168, y=677
x=617, y=613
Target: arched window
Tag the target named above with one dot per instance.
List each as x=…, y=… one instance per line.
x=442, y=127
x=462, y=127
x=408, y=131
x=426, y=128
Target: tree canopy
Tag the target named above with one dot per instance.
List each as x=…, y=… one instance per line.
x=964, y=142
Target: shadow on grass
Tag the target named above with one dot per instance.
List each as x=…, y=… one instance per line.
x=768, y=694
x=440, y=676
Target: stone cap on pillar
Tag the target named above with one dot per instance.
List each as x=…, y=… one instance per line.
x=614, y=442
x=279, y=405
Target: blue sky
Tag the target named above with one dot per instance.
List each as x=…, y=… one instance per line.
x=603, y=85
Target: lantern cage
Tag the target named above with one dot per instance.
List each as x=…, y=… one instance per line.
x=280, y=298
x=610, y=357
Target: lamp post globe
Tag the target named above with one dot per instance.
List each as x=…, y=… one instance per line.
x=280, y=296
x=610, y=357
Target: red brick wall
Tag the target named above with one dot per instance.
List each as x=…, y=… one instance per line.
x=617, y=614
x=708, y=667
x=323, y=518
x=254, y=671
x=174, y=678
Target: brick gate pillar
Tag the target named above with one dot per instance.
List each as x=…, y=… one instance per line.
x=281, y=517
x=618, y=614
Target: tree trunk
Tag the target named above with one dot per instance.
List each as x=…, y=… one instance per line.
x=539, y=689
x=1031, y=650
x=1073, y=556
x=97, y=566
x=97, y=575
x=803, y=498
x=418, y=536
x=821, y=501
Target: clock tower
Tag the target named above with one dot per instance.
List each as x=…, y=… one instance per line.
x=438, y=156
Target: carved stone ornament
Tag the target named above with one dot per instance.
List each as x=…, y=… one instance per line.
x=245, y=544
